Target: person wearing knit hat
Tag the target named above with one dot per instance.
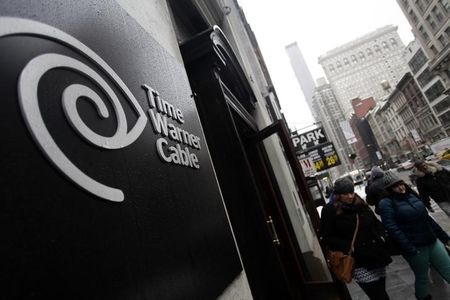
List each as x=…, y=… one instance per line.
x=391, y=179
x=420, y=239
x=338, y=224
x=343, y=186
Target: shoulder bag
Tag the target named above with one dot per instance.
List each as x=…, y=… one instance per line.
x=342, y=264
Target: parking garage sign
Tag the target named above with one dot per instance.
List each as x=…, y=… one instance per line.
x=309, y=139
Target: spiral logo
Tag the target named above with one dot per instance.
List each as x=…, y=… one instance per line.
x=28, y=99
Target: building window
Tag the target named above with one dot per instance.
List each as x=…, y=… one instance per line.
x=424, y=34
x=361, y=56
x=447, y=32
x=369, y=51
x=434, y=91
x=346, y=63
x=331, y=68
x=377, y=48
x=445, y=6
x=445, y=118
x=420, y=5
x=442, y=40
x=393, y=42
x=432, y=24
x=385, y=45
x=338, y=64
x=354, y=59
x=413, y=17
x=437, y=14
x=417, y=61
x=425, y=77
x=442, y=105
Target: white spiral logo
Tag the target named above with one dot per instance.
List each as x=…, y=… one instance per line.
x=28, y=99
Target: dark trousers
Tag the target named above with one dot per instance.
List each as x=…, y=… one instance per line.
x=375, y=290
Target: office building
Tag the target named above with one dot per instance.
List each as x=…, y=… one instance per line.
x=365, y=67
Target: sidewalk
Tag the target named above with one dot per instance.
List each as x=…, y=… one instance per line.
x=400, y=278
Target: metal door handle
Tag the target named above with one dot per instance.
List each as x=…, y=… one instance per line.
x=275, y=239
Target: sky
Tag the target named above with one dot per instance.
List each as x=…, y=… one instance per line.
x=317, y=26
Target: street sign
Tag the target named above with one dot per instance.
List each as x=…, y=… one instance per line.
x=323, y=157
x=309, y=139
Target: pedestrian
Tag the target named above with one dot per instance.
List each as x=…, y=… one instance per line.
x=338, y=223
x=375, y=187
x=433, y=181
x=420, y=239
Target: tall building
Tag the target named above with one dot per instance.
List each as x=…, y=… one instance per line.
x=330, y=114
x=302, y=73
x=365, y=67
x=430, y=22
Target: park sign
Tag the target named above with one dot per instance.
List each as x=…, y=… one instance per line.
x=309, y=139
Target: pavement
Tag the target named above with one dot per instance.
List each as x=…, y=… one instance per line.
x=399, y=277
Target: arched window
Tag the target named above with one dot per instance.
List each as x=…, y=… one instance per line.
x=331, y=68
x=361, y=55
x=346, y=63
x=354, y=59
x=385, y=45
x=338, y=64
x=393, y=42
x=369, y=52
x=377, y=48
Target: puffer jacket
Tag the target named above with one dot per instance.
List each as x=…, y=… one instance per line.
x=338, y=226
x=435, y=183
x=407, y=221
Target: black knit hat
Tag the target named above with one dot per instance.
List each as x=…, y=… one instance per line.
x=343, y=186
x=390, y=179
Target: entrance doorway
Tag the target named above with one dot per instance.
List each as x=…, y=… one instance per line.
x=275, y=266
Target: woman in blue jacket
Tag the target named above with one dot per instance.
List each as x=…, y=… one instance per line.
x=420, y=238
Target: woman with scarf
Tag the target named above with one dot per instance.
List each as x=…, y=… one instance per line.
x=419, y=237
x=338, y=223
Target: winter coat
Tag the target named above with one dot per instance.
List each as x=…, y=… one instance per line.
x=338, y=224
x=434, y=184
x=407, y=222
x=375, y=187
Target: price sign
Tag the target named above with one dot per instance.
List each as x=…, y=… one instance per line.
x=323, y=157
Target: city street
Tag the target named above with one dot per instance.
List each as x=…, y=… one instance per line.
x=400, y=278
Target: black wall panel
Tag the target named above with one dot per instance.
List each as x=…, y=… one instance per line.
x=168, y=239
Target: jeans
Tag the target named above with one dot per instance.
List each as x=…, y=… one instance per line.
x=434, y=254
x=375, y=290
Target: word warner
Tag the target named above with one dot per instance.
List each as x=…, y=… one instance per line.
x=160, y=111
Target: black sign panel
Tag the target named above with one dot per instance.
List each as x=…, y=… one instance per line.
x=309, y=139
x=323, y=156
x=106, y=185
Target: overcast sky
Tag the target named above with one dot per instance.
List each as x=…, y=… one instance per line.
x=317, y=26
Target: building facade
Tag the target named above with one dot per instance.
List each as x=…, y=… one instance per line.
x=430, y=22
x=146, y=158
x=365, y=67
x=432, y=86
